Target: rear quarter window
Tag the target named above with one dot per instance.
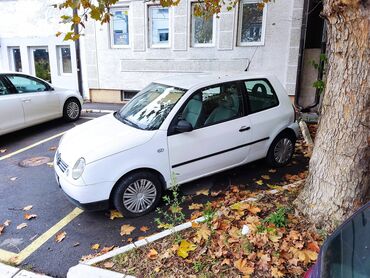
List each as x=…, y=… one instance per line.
x=261, y=95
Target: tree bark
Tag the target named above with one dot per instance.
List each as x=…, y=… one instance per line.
x=338, y=180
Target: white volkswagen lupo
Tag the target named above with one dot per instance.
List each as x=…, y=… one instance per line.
x=189, y=126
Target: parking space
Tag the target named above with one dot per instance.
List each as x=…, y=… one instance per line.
x=35, y=246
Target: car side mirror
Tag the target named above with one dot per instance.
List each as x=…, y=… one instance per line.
x=183, y=126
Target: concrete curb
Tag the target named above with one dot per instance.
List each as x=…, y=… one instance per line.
x=7, y=271
x=85, y=269
x=97, y=111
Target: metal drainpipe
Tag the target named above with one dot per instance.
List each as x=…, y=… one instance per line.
x=78, y=56
x=301, y=55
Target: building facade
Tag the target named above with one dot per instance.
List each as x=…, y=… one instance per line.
x=145, y=41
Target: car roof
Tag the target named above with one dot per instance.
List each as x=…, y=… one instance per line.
x=187, y=81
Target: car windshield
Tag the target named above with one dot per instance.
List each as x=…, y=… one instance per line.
x=148, y=109
x=347, y=254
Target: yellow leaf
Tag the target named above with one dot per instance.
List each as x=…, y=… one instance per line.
x=60, y=236
x=242, y=266
x=164, y=226
x=29, y=216
x=265, y=177
x=152, y=254
x=106, y=249
x=95, y=246
x=157, y=269
x=202, y=192
x=259, y=182
x=126, y=229
x=275, y=272
x=115, y=214
x=184, y=248
x=194, y=206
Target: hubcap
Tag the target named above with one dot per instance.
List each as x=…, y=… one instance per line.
x=72, y=110
x=283, y=150
x=139, y=196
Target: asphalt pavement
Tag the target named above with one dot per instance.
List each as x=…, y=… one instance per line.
x=35, y=244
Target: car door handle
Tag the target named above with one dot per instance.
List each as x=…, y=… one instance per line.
x=26, y=99
x=244, y=128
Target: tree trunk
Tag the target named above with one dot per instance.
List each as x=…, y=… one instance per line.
x=338, y=180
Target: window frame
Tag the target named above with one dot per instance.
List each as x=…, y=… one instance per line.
x=112, y=10
x=60, y=60
x=150, y=28
x=191, y=29
x=248, y=103
x=240, y=23
x=171, y=128
x=14, y=88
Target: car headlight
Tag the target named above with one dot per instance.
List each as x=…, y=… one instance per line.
x=78, y=168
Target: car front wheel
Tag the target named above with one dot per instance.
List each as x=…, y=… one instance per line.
x=137, y=194
x=281, y=150
x=71, y=110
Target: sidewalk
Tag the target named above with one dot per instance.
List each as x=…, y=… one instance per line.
x=7, y=271
x=96, y=107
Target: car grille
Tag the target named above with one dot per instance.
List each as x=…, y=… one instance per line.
x=61, y=164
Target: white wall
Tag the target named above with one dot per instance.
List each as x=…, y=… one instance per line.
x=133, y=67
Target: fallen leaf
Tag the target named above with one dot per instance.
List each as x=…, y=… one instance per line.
x=265, y=177
x=152, y=254
x=216, y=193
x=275, y=272
x=2, y=227
x=144, y=229
x=21, y=226
x=50, y=164
x=52, y=148
x=129, y=240
x=202, y=192
x=126, y=229
x=13, y=178
x=164, y=226
x=140, y=237
x=27, y=208
x=184, y=248
x=310, y=246
x=7, y=223
x=3, y=150
x=195, y=206
x=157, y=269
x=242, y=266
x=259, y=182
x=272, y=171
x=76, y=244
x=115, y=214
x=107, y=249
x=95, y=246
x=28, y=216
x=202, y=233
x=60, y=236
x=108, y=264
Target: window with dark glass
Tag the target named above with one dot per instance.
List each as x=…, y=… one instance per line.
x=251, y=23
x=65, y=61
x=201, y=28
x=17, y=61
x=261, y=96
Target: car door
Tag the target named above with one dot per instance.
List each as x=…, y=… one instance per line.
x=40, y=103
x=264, y=113
x=11, y=110
x=221, y=135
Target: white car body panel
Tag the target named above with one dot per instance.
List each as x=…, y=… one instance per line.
x=34, y=108
x=112, y=149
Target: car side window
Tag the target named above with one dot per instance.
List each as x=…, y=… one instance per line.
x=25, y=84
x=260, y=94
x=3, y=89
x=212, y=105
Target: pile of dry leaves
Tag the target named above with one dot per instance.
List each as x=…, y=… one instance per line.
x=262, y=238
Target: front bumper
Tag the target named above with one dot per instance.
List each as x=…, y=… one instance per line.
x=86, y=196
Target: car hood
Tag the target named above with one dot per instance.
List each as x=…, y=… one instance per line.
x=100, y=138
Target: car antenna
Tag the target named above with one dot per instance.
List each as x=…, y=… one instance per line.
x=250, y=61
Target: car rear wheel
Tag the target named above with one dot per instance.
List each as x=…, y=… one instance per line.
x=281, y=150
x=137, y=194
x=71, y=110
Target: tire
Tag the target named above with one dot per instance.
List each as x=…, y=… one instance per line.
x=126, y=205
x=281, y=150
x=71, y=110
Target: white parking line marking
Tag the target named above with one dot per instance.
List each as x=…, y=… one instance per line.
x=32, y=146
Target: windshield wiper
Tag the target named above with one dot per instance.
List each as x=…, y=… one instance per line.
x=125, y=121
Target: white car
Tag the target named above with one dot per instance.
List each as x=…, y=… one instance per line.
x=26, y=100
x=185, y=127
